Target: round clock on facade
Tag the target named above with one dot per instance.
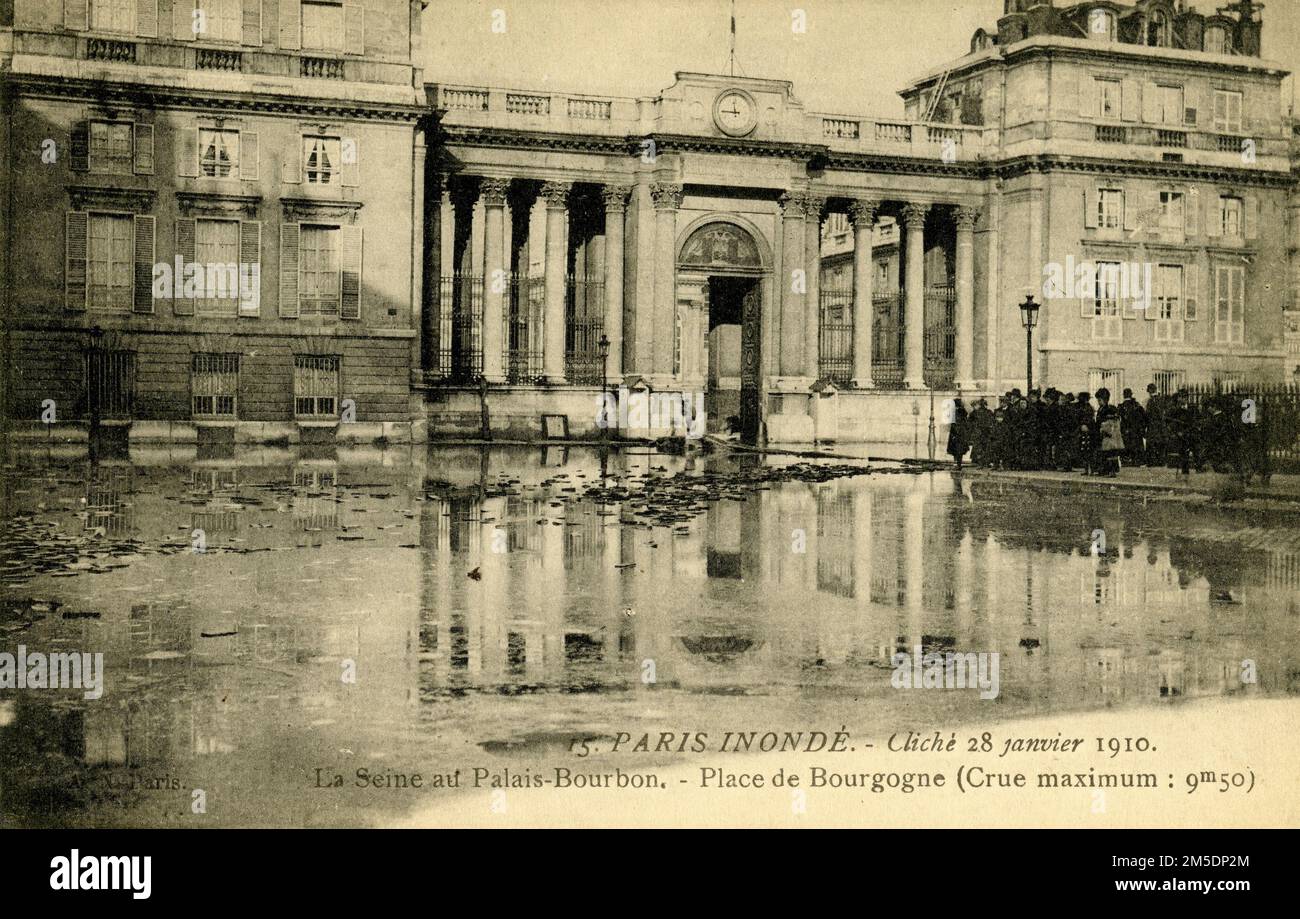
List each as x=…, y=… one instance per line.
x=735, y=112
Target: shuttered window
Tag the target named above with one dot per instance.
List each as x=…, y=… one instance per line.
x=1232, y=214
x=1229, y=304
x=319, y=287
x=113, y=16
x=218, y=153
x=1110, y=208
x=322, y=25
x=1227, y=111
x=111, y=261
x=221, y=20
x=321, y=160
x=111, y=150
x=216, y=249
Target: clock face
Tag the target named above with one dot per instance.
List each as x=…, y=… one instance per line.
x=735, y=113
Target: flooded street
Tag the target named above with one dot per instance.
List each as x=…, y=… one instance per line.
x=269, y=620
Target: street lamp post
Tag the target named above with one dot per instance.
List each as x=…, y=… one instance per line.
x=1029, y=319
x=603, y=346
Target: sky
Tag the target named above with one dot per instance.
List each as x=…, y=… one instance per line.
x=852, y=58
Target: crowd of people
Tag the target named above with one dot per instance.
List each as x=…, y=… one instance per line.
x=1060, y=431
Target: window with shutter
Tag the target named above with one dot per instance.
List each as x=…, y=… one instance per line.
x=321, y=160
x=74, y=276
x=251, y=33
x=1232, y=212
x=250, y=267
x=322, y=25
x=319, y=274
x=218, y=154
x=1229, y=301
x=113, y=16
x=221, y=20
x=290, y=236
x=145, y=257
x=182, y=303
x=1227, y=111
x=1107, y=323
x=1168, y=303
x=111, y=262
x=111, y=148
x=1110, y=209
x=216, y=250
x=350, y=265
x=143, y=140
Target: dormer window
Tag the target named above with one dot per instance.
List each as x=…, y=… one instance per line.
x=1158, y=29
x=1216, y=40
x=1101, y=25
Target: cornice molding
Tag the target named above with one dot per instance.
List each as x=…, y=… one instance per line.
x=201, y=203
x=206, y=100
x=136, y=200
x=315, y=208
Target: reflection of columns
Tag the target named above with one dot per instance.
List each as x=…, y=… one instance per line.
x=914, y=308
x=792, y=300
x=667, y=199
x=557, y=215
x=914, y=561
x=863, y=214
x=420, y=260
x=493, y=192
x=812, y=250
x=966, y=219
x=962, y=592
x=615, y=209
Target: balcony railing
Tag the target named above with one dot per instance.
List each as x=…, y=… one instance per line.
x=322, y=68
x=597, y=109
x=473, y=100
x=521, y=104
x=1230, y=143
x=1112, y=134
x=218, y=59
x=108, y=49
x=893, y=132
x=1166, y=138
x=841, y=127
x=939, y=135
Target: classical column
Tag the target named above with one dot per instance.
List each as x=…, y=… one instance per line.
x=667, y=199
x=863, y=214
x=615, y=209
x=812, y=250
x=914, y=308
x=493, y=194
x=792, y=298
x=557, y=216
x=966, y=219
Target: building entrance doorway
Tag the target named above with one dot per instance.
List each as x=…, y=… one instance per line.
x=733, y=383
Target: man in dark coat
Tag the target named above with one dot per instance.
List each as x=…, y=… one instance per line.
x=958, y=433
x=1083, y=431
x=1133, y=425
x=1157, y=430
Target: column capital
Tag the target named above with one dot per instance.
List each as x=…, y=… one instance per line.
x=667, y=196
x=966, y=217
x=615, y=196
x=862, y=211
x=813, y=205
x=914, y=213
x=556, y=195
x=493, y=191
x=793, y=205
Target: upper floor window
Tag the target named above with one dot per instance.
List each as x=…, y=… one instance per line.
x=1172, y=208
x=1169, y=105
x=322, y=25
x=318, y=278
x=1229, y=304
x=1110, y=209
x=1101, y=25
x=1158, y=29
x=1227, y=111
x=1216, y=40
x=218, y=153
x=1111, y=98
x=113, y=15
x=111, y=149
x=216, y=249
x=1232, y=216
x=321, y=160
x=220, y=20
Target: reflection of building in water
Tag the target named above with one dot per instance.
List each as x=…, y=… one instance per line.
x=109, y=500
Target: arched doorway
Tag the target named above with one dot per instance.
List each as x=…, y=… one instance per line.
x=722, y=272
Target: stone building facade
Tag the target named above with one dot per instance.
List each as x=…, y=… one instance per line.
x=1141, y=146
x=211, y=217
x=465, y=258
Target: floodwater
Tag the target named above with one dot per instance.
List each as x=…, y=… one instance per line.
x=270, y=619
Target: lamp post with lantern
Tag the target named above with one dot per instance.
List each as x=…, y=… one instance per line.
x=1029, y=318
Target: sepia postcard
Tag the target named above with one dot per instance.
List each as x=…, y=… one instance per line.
x=648, y=413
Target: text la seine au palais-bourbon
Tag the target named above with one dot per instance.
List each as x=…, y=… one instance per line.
x=971, y=762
